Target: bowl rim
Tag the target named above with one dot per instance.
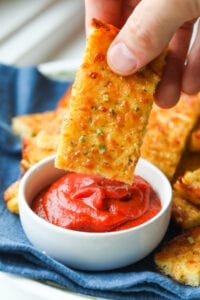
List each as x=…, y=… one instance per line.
x=61, y=230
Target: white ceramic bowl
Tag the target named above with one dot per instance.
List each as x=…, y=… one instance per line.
x=92, y=251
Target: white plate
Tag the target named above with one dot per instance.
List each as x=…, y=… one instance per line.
x=15, y=287
x=60, y=70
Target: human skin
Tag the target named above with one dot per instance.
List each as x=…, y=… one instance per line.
x=147, y=27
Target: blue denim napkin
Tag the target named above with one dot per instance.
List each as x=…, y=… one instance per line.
x=22, y=91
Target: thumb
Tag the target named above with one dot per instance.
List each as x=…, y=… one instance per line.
x=147, y=32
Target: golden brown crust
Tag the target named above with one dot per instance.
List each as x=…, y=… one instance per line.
x=39, y=133
x=44, y=143
x=34, y=150
x=179, y=258
x=108, y=113
x=185, y=214
x=63, y=103
x=11, y=197
x=194, y=142
x=167, y=133
x=194, y=139
x=188, y=186
x=30, y=125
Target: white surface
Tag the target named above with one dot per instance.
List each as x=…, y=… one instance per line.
x=19, y=288
x=11, y=21
x=36, y=31
x=62, y=70
x=86, y=250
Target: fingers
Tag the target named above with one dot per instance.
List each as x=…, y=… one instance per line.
x=108, y=11
x=168, y=92
x=146, y=33
x=191, y=78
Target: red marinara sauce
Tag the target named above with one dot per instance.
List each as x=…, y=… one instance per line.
x=95, y=204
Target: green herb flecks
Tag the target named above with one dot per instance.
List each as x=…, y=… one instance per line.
x=190, y=240
x=82, y=139
x=112, y=111
x=99, y=131
x=106, y=97
x=102, y=148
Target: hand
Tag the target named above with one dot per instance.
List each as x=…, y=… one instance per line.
x=147, y=27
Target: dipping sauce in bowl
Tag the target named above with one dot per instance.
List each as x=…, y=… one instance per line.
x=100, y=250
x=95, y=204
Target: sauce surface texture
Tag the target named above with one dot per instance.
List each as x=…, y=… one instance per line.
x=95, y=204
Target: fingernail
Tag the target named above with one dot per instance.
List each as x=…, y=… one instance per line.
x=121, y=59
